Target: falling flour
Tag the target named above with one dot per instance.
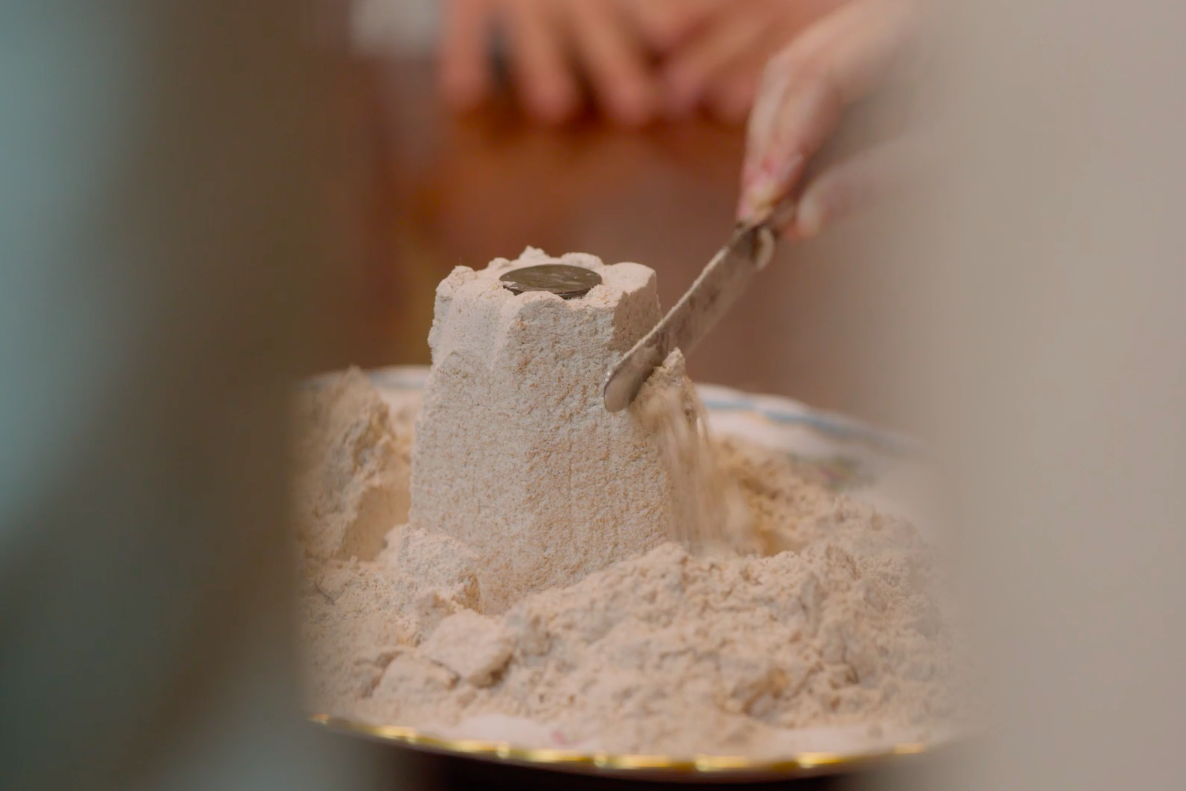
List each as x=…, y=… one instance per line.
x=621, y=581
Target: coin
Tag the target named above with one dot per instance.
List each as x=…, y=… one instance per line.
x=563, y=280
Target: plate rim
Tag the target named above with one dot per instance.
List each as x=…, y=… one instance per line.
x=700, y=766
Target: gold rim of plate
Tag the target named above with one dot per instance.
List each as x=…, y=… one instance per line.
x=715, y=766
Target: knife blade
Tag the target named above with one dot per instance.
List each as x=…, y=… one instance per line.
x=710, y=297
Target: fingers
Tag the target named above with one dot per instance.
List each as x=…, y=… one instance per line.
x=730, y=95
x=465, y=77
x=614, y=61
x=809, y=112
x=666, y=23
x=805, y=89
x=719, y=46
x=855, y=184
x=538, y=62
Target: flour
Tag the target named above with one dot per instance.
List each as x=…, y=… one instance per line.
x=352, y=485
x=709, y=513
x=567, y=567
x=473, y=646
x=515, y=453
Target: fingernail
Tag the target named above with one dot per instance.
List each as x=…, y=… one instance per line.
x=769, y=182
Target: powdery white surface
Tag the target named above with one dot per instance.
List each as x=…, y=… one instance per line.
x=353, y=483
x=475, y=647
x=828, y=638
x=515, y=453
x=677, y=654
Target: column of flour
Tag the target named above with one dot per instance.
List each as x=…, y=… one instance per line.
x=515, y=453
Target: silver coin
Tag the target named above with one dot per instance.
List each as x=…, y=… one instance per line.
x=563, y=280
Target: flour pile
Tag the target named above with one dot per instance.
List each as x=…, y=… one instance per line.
x=571, y=593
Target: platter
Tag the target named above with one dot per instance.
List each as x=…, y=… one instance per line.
x=697, y=768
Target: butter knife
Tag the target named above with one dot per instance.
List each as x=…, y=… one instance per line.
x=710, y=297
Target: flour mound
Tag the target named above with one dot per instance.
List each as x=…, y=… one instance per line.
x=616, y=581
x=679, y=654
x=473, y=646
x=436, y=563
x=833, y=624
